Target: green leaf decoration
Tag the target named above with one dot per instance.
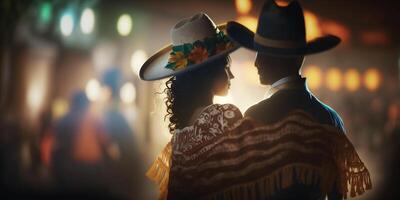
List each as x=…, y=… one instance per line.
x=170, y=66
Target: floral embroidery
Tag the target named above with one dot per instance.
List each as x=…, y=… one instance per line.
x=213, y=121
x=229, y=114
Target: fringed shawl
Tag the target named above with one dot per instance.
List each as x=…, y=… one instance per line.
x=252, y=161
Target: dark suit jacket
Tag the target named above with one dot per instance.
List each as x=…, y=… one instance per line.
x=280, y=105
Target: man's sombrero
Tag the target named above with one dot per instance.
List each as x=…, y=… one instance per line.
x=196, y=42
x=280, y=32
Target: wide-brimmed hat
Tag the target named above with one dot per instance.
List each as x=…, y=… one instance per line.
x=196, y=42
x=280, y=32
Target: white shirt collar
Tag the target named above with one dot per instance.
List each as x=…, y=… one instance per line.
x=278, y=83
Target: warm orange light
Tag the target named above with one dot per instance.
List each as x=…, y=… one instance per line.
x=352, y=80
x=377, y=37
x=334, y=79
x=372, y=79
x=335, y=28
x=243, y=6
x=312, y=26
x=59, y=108
x=314, y=77
x=282, y=3
x=248, y=21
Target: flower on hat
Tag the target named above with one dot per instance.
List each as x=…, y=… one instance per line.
x=177, y=60
x=198, y=54
x=187, y=54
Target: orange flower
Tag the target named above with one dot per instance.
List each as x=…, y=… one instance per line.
x=198, y=55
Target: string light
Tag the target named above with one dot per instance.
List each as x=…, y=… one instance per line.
x=314, y=77
x=93, y=89
x=352, y=80
x=67, y=24
x=334, y=79
x=243, y=6
x=128, y=93
x=137, y=59
x=124, y=25
x=87, y=21
x=372, y=79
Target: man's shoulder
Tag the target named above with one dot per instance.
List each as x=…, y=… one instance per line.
x=335, y=117
x=263, y=106
x=275, y=102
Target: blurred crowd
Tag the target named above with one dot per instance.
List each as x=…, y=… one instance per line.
x=86, y=153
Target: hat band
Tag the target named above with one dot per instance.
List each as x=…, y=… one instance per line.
x=188, y=54
x=277, y=43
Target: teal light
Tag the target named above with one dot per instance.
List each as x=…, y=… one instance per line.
x=45, y=12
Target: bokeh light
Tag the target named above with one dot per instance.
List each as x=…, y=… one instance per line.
x=372, y=79
x=248, y=21
x=352, y=80
x=312, y=25
x=45, y=12
x=137, y=59
x=124, y=25
x=128, y=93
x=59, y=108
x=282, y=3
x=67, y=24
x=334, y=79
x=314, y=77
x=223, y=99
x=93, y=89
x=243, y=6
x=87, y=21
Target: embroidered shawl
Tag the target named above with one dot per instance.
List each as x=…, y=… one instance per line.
x=250, y=160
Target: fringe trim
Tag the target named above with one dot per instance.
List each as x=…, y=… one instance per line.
x=349, y=173
x=280, y=179
x=354, y=174
x=159, y=171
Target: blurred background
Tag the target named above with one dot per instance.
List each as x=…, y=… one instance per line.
x=76, y=121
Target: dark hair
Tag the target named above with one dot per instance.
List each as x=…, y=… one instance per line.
x=187, y=91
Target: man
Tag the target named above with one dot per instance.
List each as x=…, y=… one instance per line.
x=280, y=42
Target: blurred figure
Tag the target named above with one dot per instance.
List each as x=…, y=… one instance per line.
x=392, y=126
x=389, y=189
x=46, y=138
x=127, y=171
x=78, y=161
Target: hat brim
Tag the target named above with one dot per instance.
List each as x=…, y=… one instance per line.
x=154, y=68
x=245, y=37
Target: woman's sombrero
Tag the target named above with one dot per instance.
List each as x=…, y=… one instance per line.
x=196, y=42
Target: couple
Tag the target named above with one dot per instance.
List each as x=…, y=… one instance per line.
x=288, y=146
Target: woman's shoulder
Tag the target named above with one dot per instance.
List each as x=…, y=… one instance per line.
x=219, y=108
x=224, y=115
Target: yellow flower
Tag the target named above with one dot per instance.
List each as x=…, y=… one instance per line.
x=179, y=59
x=198, y=55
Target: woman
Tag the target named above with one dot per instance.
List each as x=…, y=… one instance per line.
x=198, y=61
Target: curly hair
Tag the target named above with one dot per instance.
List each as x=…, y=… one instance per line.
x=186, y=92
